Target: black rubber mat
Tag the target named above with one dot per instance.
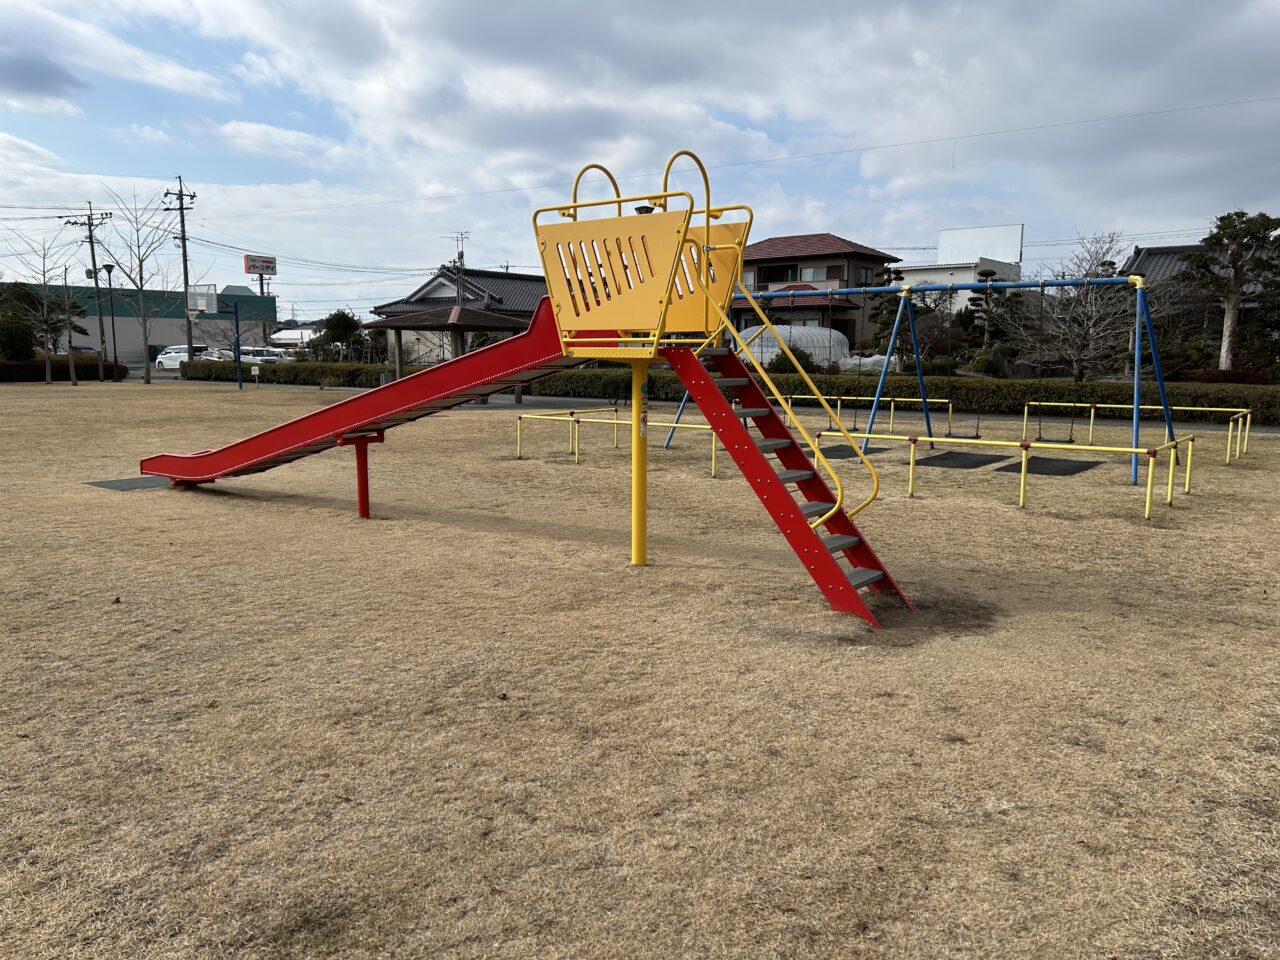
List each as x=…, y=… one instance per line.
x=1051, y=466
x=960, y=460
x=131, y=483
x=842, y=451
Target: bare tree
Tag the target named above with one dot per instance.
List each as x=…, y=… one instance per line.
x=1083, y=329
x=140, y=228
x=43, y=260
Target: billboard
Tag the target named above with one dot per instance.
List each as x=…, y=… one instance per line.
x=256, y=264
x=967, y=244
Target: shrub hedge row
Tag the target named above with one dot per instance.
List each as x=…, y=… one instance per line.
x=15, y=370
x=968, y=394
x=296, y=372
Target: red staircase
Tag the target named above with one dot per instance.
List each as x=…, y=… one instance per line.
x=837, y=557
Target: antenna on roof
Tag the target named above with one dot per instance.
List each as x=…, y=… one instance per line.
x=460, y=239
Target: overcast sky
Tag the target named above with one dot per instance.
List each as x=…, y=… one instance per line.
x=363, y=132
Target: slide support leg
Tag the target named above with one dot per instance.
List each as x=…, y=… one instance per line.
x=639, y=463
x=361, y=443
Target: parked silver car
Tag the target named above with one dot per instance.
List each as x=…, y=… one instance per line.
x=170, y=357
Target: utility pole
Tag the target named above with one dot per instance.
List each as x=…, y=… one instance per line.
x=458, y=338
x=183, y=195
x=66, y=315
x=92, y=220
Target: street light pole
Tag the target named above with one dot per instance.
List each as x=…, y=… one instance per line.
x=235, y=312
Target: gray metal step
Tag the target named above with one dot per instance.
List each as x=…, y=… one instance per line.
x=753, y=413
x=860, y=577
x=840, y=542
x=732, y=382
x=815, y=508
x=795, y=476
x=770, y=444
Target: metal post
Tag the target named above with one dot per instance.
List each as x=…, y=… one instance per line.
x=362, y=479
x=1191, y=452
x=519, y=436
x=1026, y=414
x=115, y=347
x=666, y=444
x=884, y=371
x=639, y=462
x=235, y=312
x=911, y=469
x=1173, y=464
x=713, y=453
x=1137, y=395
x=1231, y=425
x=1144, y=310
x=399, y=348
x=1022, y=481
x=1093, y=415
x=1151, y=481
x=915, y=349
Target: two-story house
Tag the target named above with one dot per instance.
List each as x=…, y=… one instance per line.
x=807, y=262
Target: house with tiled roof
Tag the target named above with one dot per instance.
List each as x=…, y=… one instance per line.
x=808, y=262
x=484, y=292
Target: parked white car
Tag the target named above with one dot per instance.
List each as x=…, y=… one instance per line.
x=170, y=357
x=259, y=355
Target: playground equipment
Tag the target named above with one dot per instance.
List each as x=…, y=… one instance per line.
x=625, y=287
x=1143, y=327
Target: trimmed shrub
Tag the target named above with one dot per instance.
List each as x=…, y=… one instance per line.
x=17, y=340
x=969, y=394
x=297, y=372
x=12, y=371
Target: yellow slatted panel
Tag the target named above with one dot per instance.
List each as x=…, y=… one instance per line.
x=689, y=312
x=612, y=273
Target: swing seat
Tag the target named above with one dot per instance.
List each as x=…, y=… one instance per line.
x=1055, y=439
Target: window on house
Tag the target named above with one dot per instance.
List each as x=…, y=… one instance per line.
x=777, y=273
x=749, y=277
x=814, y=273
x=862, y=275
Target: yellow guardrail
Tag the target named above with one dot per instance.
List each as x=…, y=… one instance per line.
x=560, y=417
x=892, y=401
x=1026, y=446
x=1240, y=419
x=575, y=421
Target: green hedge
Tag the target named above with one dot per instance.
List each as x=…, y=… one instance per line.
x=296, y=372
x=968, y=394
x=15, y=370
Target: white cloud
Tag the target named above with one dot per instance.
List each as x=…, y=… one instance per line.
x=140, y=131
x=262, y=138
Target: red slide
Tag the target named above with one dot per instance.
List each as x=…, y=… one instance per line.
x=362, y=419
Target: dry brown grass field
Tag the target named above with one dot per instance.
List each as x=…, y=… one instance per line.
x=240, y=722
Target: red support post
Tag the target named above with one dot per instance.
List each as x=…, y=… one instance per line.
x=361, y=443
x=362, y=480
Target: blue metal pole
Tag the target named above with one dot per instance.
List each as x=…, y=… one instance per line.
x=1137, y=387
x=235, y=312
x=1144, y=307
x=947, y=287
x=884, y=371
x=679, y=413
x=915, y=347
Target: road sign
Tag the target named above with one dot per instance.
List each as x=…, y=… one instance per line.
x=256, y=264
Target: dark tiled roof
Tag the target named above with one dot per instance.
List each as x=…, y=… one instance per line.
x=1157, y=263
x=811, y=245
x=448, y=318
x=513, y=294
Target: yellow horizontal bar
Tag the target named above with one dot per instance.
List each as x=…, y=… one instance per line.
x=810, y=396
x=652, y=423
x=1031, y=444
x=1129, y=406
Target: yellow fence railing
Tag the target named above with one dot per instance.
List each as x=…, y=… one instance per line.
x=1026, y=446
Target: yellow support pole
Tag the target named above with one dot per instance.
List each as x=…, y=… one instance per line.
x=950, y=412
x=615, y=428
x=1151, y=482
x=1173, y=469
x=639, y=463
x=1239, y=436
x=1022, y=480
x=892, y=405
x=519, y=436
x=1191, y=452
x=713, y=455
x=577, y=440
x=1248, y=429
x=1093, y=416
x=1026, y=413
x=911, y=470
x=1231, y=423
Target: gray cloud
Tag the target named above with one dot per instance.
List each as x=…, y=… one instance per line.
x=31, y=73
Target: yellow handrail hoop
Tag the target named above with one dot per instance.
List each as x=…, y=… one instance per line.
x=704, y=261
x=617, y=191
